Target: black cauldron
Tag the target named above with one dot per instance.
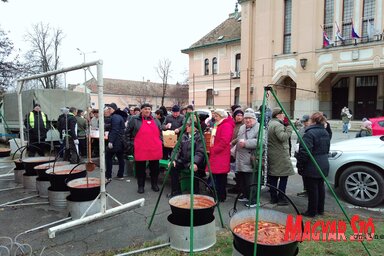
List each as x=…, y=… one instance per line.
x=84, y=189
x=203, y=205
x=60, y=175
x=19, y=164
x=31, y=162
x=42, y=168
x=4, y=152
x=245, y=247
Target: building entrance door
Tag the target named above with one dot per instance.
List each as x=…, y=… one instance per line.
x=339, y=97
x=365, y=96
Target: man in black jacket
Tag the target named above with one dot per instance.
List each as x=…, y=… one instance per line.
x=36, y=123
x=70, y=140
x=115, y=140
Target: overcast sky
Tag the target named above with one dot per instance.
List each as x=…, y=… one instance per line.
x=130, y=36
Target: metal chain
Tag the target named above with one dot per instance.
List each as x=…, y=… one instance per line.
x=265, y=153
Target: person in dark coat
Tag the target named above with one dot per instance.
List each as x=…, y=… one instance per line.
x=144, y=132
x=61, y=127
x=115, y=140
x=71, y=142
x=173, y=122
x=316, y=138
x=36, y=123
x=183, y=159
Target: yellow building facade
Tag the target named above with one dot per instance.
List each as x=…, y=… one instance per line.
x=320, y=55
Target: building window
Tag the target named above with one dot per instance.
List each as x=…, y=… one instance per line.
x=209, y=97
x=214, y=66
x=287, y=26
x=206, y=67
x=347, y=18
x=237, y=64
x=237, y=96
x=368, y=16
x=362, y=81
x=328, y=17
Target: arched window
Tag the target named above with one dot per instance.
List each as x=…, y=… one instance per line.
x=214, y=66
x=237, y=63
x=237, y=96
x=209, y=101
x=206, y=67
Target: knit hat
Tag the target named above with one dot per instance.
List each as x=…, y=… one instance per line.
x=237, y=111
x=305, y=118
x=276, y=111
x=249, y=113
x=190, y=107
x=36, y=105
x=221, y=112
x=234, y=107
x=175, y=108
x=111, y=105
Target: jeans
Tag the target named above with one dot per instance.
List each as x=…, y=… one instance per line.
x=345, y=127
x=221, y=184
x=108, y=163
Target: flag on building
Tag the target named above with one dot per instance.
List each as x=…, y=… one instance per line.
x=354, y=33
x=326, y=41
x=338, y=33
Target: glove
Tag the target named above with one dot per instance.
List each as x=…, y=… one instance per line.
x=110, y=145
x=76, y=142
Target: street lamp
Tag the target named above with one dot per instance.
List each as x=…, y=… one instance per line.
x=85, y=70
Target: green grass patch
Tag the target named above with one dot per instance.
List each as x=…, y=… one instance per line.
x=223, y=246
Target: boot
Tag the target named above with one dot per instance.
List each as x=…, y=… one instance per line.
x=154, y=184
x=140, y=184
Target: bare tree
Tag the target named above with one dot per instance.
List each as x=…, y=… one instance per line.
x=44, y=53
x=9, y=64
x=164, y=71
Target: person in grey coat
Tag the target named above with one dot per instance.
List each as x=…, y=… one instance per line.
x=245, y=147
x=279, y=162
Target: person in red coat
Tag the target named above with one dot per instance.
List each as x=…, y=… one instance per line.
x=220, y=151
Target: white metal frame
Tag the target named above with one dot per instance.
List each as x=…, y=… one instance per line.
x=103, y=195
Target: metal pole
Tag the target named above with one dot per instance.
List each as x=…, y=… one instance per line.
x=189, y=116
x=213, y=89
x=20, y=105
x=100, y=93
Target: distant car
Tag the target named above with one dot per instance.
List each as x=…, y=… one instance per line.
x=357, y=168
x=377, y=125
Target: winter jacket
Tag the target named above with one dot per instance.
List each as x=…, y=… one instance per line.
x=39, y=130
x=220, y=152
x=81, y=127
x=243, y=155
x=183, y=156
x=72, y=126
x=116, y=132
x=134, y=126
x=177, y=122
x=279, y=161
x=318, y=142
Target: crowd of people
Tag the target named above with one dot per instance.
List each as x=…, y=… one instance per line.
x=233, y=144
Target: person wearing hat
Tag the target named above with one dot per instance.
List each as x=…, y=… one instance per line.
x=37, y=127
x=365, y=128
x=279, y=161
x=173, y=122
x=115, y=146
x=189, y=108
x=183, y=159
x=245, y=149
x=144, y=133
x=238, y=117
x=220, y=151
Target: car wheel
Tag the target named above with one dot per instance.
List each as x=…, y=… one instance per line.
x=362, y=185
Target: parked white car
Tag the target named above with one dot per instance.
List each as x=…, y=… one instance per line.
x=357, y=168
